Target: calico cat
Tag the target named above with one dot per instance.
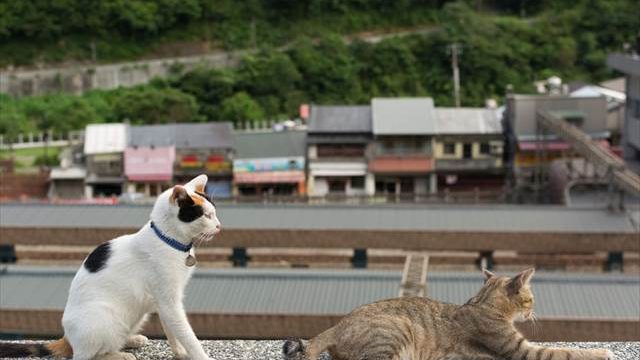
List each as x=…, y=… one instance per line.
x=416, y=328
x=126, y=278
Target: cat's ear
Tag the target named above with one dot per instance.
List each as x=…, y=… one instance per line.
x=487, y=274
x=179, y=195
x=198, y=183
x=517, y=282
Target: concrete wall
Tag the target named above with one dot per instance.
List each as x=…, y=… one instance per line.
x=79, y=79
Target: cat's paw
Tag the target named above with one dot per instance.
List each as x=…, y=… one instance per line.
x=180, y=354
x=136, y=341
x=602, y=354
x=127, y=356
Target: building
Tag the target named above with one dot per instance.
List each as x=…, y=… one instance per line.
x=67, y=183
x=67, y=180
x=337, y=144
x=160, y=155
x=269, y=163
x=615, y=106
x=468, y=149
x=104, y=147
x=205, y=149
x=401, y=157
x=528, y=147
x=149, y=159
x=629, y=64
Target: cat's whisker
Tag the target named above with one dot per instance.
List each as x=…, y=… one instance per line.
x=535, y=326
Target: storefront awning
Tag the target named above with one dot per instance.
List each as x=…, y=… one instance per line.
x=268, y=177
x=149, y=164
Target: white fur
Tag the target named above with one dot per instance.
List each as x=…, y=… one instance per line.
x=142, y=275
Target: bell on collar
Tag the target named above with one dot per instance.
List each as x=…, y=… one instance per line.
x=190, y=261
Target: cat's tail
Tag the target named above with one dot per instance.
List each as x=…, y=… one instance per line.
x=296, y=349
x=58, y=348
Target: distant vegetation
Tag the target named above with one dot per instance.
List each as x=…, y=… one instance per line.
x=499, y=47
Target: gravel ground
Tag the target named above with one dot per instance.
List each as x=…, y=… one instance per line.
x=271, y=350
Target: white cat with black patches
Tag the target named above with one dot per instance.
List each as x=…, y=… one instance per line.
x=126, y=278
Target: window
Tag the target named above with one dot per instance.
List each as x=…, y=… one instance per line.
x=449, y=148
x=357, y=182
x=338, y=150
x=485, y=149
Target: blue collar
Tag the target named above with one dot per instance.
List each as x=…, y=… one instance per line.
x=171, y=241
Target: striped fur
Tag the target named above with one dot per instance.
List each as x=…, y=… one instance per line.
x=413, y=328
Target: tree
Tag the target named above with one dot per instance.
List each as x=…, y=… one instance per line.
x=148, y=105
x=269, y=72
x=241, y=108
x=328, y=69
x=209, y=86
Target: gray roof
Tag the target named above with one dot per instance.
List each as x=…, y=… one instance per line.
x=252, y=145
x=454, y=121
x=310, y=291
x=340, y=119
x=483, y=218
x=626, y=63
x=193, y=135
x=403, y=116
x=223, y=290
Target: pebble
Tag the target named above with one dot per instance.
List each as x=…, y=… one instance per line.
x=272, y=349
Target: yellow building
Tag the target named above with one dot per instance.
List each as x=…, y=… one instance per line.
x=468, y=149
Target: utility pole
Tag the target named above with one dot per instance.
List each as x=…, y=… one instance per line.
x=455, y=50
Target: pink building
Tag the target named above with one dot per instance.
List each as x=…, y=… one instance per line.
x=149, y=170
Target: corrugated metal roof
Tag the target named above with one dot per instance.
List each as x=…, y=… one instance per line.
x=310, y=291
x=467, y=121
x=193, y=135
x=556, y=294
x=498, y=218
x=105, y=138
x=256, y=145
x=403, y=116
x=340, y=119
x=223, y=290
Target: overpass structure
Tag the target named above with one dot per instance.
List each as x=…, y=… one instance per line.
x=615, y=172
x=481, y=229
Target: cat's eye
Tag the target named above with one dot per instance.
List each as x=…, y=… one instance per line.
x=208, y=215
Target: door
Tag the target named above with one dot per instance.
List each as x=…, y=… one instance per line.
x=466, y=151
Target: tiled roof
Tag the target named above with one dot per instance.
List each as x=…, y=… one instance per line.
x=340, y=119
x=192, y=135
x=255, y=145
x=451, y=121
x=403, y=116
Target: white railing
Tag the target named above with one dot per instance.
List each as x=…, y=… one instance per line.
x=42, y=139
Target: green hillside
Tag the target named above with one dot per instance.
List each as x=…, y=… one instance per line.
x=502, y=43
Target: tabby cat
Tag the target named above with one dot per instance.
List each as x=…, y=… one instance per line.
x=416, y=328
